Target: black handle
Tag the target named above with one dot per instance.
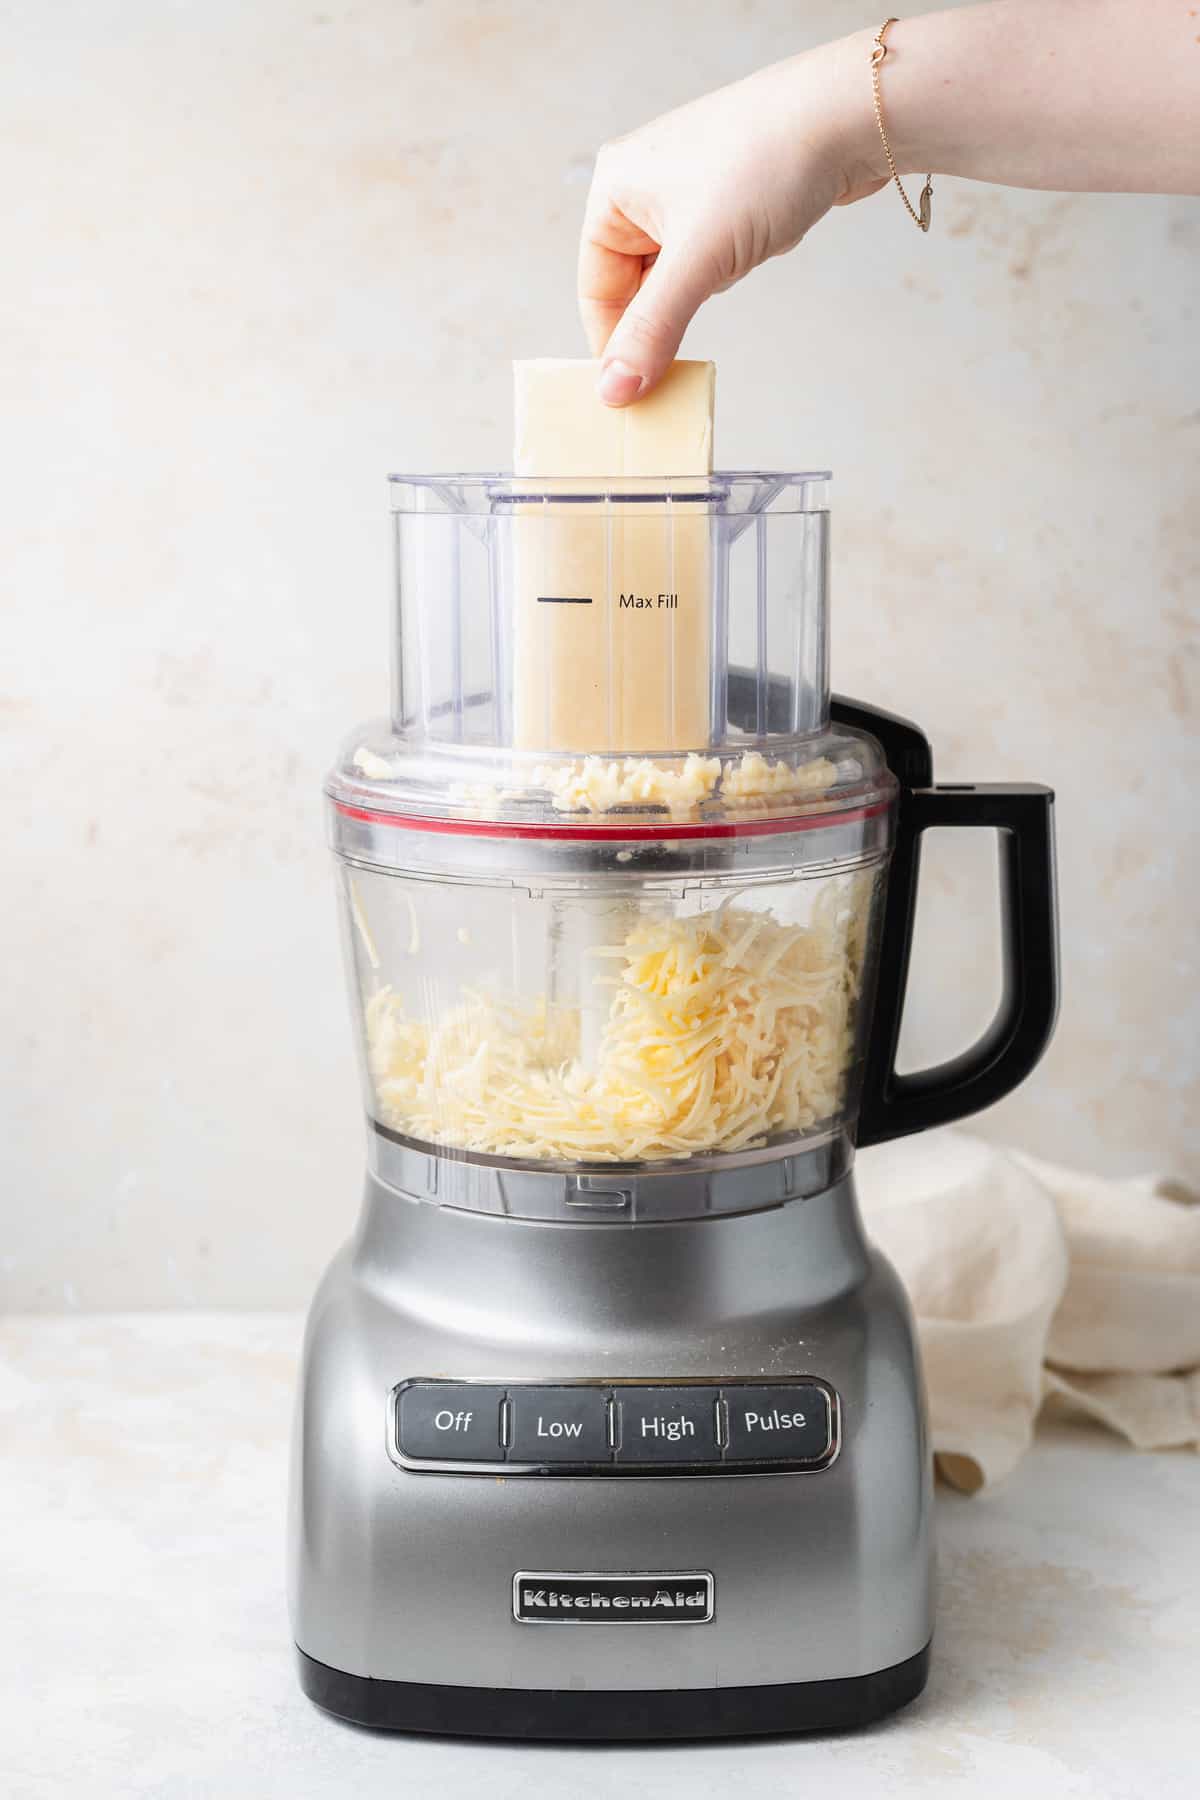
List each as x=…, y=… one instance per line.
x=893, y=1105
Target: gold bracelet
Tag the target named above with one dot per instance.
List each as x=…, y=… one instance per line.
x=923, y=218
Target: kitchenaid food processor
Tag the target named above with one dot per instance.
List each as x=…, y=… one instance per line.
x=628, y=902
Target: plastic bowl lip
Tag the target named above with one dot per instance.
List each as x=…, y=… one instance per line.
x=616, y=832
x=479, y=491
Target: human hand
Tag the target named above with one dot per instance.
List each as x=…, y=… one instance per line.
x=686, y=206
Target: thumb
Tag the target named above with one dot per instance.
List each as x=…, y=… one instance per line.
x=649, y=331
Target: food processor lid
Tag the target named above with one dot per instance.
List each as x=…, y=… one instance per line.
x=583, y=659
x=766, y=787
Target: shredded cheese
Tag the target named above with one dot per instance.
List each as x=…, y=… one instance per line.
x=369, y=764
x=361, y=926
x=754, y=778
x=414, y=927
x=725, y=1029
x=482, y=795
x=598, y=785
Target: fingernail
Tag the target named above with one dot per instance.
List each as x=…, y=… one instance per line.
x=619, y=384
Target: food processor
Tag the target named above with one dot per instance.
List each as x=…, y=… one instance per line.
x=611, y=1421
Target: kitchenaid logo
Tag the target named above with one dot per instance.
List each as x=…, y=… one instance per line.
x=667, y=1599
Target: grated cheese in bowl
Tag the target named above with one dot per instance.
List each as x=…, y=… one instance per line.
x=725, y=1029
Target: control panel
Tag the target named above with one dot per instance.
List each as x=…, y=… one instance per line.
x=589, y=1427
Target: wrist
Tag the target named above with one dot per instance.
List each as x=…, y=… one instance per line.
x=907, y=94
x=841, y=75
x=909, y=90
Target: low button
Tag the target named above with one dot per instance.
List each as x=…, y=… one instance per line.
x=450, y=1423
x=777, y=1424
x=559, y=1425
x=668, y=1425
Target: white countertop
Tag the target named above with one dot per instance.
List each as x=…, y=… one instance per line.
x=145, y=1646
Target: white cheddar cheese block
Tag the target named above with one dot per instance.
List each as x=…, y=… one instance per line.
x=562, y=427
x=612, y=601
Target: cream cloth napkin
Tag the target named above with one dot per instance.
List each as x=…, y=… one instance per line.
x=1030, y=1281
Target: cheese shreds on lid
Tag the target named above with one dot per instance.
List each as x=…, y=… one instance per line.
x=599, y=784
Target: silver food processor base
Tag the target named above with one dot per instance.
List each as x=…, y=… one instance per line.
x=483, y=1590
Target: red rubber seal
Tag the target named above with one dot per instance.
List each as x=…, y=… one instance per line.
x=503, y=828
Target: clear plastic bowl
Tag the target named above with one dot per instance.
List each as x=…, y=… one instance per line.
x=612, y=880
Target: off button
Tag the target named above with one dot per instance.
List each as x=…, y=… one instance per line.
x=450, y=1423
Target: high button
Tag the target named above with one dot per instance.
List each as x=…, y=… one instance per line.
x=667, y=1425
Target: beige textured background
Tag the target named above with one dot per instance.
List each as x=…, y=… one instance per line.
x=255, y=255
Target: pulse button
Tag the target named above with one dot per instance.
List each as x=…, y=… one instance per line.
x=450, y=1422
x=777, y=1424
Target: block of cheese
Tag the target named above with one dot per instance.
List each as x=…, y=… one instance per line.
x=562, y=427
x=612, y=602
